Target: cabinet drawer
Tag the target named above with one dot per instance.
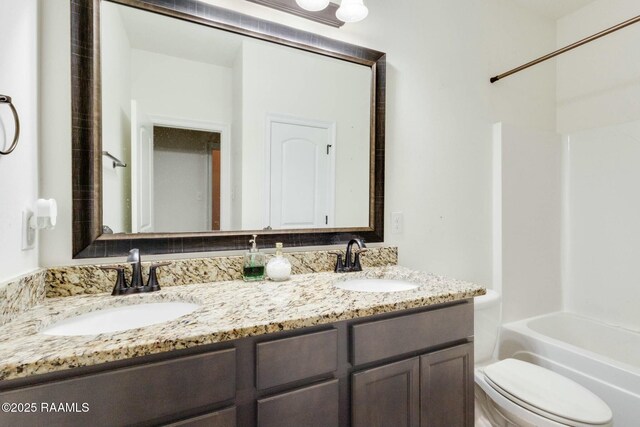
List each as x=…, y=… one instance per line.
x=223, y=418
x=291, y=359
x=132, y=395
x=399, y=335
x=313, y=406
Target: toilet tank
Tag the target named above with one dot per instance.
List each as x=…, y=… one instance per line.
x=486, y=325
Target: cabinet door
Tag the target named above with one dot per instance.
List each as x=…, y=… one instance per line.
x=388, y=396
x=447, y=387
x=312, y=406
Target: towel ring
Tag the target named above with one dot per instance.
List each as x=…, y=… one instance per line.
x=4, y=99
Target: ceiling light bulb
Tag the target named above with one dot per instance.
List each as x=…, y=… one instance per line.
x=313, y=5
x=352, y=11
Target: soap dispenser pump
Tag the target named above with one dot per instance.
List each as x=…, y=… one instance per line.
x=254, y=260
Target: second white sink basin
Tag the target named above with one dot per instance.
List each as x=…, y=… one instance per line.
x=376, y=285
x=120, y=318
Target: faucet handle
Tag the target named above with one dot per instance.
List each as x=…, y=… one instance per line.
x=152, y=282
x=121, y=285
x=356, y=262
x=339, y=267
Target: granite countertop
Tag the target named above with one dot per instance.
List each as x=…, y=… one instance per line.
x=229, y=310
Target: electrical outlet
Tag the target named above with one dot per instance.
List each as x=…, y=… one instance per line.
x=397, y=222
x=28, y=233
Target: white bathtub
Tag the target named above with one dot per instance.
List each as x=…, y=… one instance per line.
x=603, y=358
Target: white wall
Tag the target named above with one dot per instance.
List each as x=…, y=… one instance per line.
x=341, y=94
x=116, y=119
x=19, y=170
x=528, y=188
x=189, y=90
x=599, y=111
x=440, y=109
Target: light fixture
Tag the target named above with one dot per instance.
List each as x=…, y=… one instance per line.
x=330, y=12
x=351, y=11
x=313, y=5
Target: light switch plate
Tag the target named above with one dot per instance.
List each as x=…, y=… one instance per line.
x=28, y=233
x=397, y=222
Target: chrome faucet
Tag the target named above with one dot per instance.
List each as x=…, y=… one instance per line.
x=352, y=257
x=123, y=288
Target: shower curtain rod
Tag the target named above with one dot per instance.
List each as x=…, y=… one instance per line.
x=567, y=48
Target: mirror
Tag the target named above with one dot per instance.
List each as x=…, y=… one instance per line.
x=195, y=126
x=223, y=132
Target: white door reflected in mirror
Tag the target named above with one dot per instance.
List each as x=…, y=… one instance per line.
x=301, y=175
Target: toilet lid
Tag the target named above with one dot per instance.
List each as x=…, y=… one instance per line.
x=546, y=393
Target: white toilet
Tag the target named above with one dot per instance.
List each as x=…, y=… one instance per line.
x=511, y=392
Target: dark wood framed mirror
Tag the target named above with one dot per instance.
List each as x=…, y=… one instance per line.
x=89, y=240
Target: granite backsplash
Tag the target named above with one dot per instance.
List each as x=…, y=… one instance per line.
x=20, y=294
x=90, y=279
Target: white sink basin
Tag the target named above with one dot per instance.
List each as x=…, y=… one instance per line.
x=120, y=318
x=376, y=285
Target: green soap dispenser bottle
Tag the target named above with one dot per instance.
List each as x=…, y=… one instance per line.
x=254, y=261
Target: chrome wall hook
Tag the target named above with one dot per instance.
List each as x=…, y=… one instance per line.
x=5, y=99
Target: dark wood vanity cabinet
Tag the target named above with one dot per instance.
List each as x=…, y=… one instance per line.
x=409, y=368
